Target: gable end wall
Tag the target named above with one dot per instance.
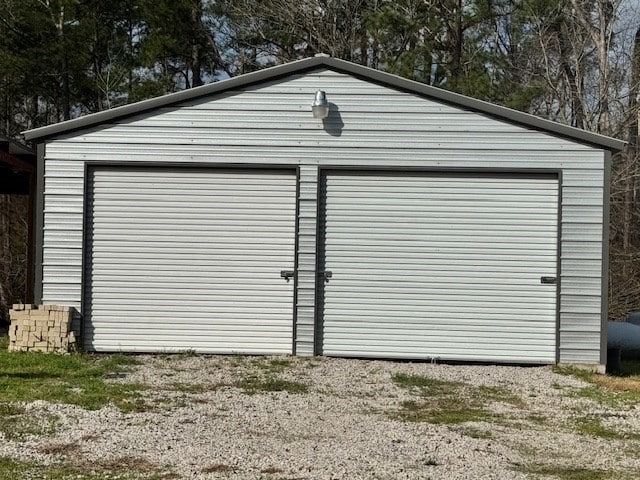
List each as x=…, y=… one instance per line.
x=370, y=127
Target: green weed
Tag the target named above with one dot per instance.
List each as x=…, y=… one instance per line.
x=10, y=410
x=610, y=390
x=16, y=424
x=450, y=403
x=537, y=419
x=565, y=473
x=497, y=394
x=441, y=412
x=427, y=386
x=72, y=379
x=252, y=384
x=122, y=469
x=592, y=426
x=273, y=365
x=120, y=362
x=182, y=355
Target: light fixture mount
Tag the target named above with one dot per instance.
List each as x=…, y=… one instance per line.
x=320, y=105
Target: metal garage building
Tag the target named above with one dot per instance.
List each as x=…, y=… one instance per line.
x=410, y=222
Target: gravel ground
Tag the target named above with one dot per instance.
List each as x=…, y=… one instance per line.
x=348, y=425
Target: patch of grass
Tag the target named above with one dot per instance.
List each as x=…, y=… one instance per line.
x=580, y=373
x=166, y=400
x=21, y=427
x=442, y=412
x=272, y=365
x=183, y=354
x=565, y=473
x=427, y=386
x=237, y=360
x=461, y=414
x=628, y=385
x=537, y=418
x=592, y=425
x=10, y=410
x=450, y=403
x=611, y=390
x=119, y=362
x=4, y=342
x=16, y=423
x=498, y=394
x=598, y=395
x=254, y=384
x=77, y=379
x=594, y=428
x=12, y=469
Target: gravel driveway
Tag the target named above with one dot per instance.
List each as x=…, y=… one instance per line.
x=217, y=417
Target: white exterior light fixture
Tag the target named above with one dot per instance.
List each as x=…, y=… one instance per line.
x=320, y=106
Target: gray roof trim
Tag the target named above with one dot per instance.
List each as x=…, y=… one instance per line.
x=514, y=116
x=366, y=73
x=172, y=98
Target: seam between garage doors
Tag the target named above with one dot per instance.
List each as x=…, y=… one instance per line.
x=558, y=265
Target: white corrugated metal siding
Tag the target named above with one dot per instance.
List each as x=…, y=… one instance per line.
x=440, y=265
x=189, y=259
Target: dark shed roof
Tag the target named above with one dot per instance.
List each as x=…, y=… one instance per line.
x=17, y=163
x=306, y=64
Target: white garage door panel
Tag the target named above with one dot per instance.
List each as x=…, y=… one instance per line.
x=190, y=259
x=440, y=265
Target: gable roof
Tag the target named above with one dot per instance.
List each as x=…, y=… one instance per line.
x=300, y=66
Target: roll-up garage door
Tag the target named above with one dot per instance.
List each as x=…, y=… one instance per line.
x=189, y=259
x=440, y=266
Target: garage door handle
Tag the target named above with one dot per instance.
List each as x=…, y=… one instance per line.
x=287, y=274
x=552, y=280
x=326, y=274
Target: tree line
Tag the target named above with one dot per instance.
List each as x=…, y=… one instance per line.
x=572, y=61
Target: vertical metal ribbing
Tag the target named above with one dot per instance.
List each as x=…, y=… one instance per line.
x=306, y=294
